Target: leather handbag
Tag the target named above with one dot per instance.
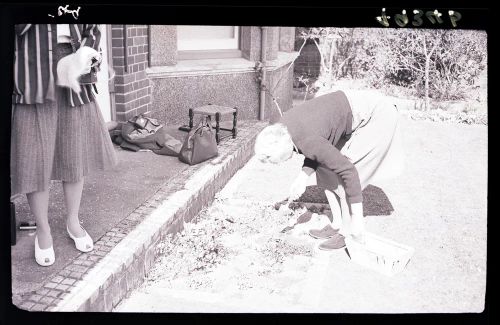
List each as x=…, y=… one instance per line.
x=200, y=143
x=89, y=78
x=170, y=147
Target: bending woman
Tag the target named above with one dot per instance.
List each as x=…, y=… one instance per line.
x=349, y=140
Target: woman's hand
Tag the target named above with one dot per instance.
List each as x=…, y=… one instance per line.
x=96, y=60
x=357, y=227
x=298, y=186
x=87, y=57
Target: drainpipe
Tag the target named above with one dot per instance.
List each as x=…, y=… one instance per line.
x=263, y=81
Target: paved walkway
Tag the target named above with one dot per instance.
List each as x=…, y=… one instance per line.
x=114, y=204
x=108, y=197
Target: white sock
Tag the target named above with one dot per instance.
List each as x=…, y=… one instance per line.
x=336, y=224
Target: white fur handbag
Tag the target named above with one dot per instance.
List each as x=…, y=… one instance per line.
x=71, y=67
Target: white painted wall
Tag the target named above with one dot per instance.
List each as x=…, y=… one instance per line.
x=103, y=97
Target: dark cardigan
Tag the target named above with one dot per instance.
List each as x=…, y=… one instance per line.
x=319, y=128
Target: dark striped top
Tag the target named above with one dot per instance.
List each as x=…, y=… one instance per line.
x=35, y=66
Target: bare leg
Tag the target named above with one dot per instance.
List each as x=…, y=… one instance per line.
x=338, y=205
x=334, y=202
x=340, y=210
x=73, y=195
x=39, y=206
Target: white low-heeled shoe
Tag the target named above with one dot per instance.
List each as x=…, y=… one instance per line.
x=44, y=257
x=83, y=244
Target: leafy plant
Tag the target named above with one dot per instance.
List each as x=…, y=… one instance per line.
x=433, y=64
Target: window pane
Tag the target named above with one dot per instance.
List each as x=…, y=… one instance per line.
x=204, y=32
x=193, y=38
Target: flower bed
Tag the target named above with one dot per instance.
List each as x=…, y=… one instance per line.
x=236, y=246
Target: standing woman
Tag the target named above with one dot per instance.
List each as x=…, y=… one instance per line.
x=57, y=133
x=349, y=140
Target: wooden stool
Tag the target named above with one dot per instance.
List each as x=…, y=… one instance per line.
x=217, y=111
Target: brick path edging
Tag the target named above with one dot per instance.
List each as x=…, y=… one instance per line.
x=125, y=257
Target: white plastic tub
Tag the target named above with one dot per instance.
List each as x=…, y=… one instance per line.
x=380, y=254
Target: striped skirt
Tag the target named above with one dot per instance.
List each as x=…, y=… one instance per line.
x=54, y=141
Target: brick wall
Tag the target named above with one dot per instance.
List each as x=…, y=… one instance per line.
x=309, y=61
x=132, y=87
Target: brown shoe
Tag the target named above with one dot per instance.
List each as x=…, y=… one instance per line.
x=335, y=242
x=325, y=233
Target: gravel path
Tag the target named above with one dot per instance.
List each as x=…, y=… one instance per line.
x=236, y=259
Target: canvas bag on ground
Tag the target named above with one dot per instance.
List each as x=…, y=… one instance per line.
x=141, y=129
x=200, y=143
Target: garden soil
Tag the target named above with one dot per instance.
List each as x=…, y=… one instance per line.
x=237, y=258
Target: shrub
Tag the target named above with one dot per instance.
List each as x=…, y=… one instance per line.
x=437, y=64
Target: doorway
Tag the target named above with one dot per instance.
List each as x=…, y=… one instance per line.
x=104, y=84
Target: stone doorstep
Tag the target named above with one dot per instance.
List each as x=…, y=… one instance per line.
x=122, y=269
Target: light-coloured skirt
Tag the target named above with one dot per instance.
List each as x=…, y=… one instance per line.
x=375, y=149
x=53, y=141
